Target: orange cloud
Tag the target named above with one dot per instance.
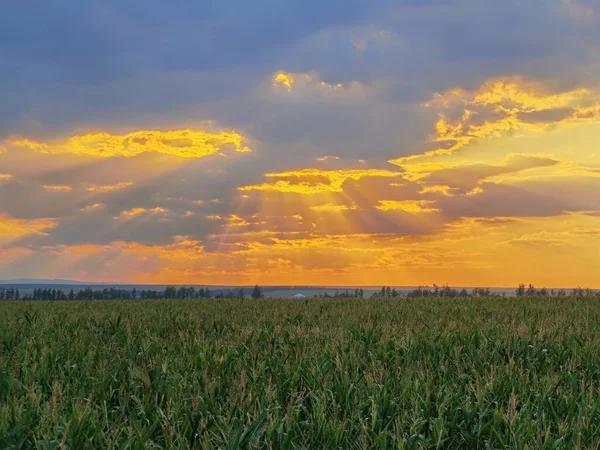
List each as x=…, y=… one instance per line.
x=93, y=207
x=469, y=251
x=10, y=256
x=109, y=187
x=5, y=177
x=57, y=188
x=183, y=143
x=181, y=250
x=12, y=228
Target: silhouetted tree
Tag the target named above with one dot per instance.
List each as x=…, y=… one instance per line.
x=256, y=292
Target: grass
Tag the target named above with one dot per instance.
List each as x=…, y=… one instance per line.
x=319, y=374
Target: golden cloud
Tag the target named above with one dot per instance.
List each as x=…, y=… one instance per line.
x=316, y=181
x=237, y=221
x=510, y=95
x=438, y=189
x=134, y=212
x=183, y=143
x=12, y=228
x=5, y=177
x=283, y=79
x=109, y=187
x=498, y=107
x=475, y=191
x=57, y=188
x=409, y=206
x=521, y=96
x=312, y=81
x=331, y=208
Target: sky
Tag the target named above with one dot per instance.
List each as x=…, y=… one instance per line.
x=338, y=142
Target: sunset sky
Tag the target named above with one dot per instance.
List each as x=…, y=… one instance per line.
x=340, y=142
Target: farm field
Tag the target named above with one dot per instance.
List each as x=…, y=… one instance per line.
x=279, y=373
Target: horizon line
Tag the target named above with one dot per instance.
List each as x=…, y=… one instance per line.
x=65, y=282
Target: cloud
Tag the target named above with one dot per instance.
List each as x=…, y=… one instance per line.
x=499, y=107
x=409, y=206
x=134, y=212
x=312, y=84
x=184, y=143
x=506, y=147
x=454, y=252
x=581, y=11
x=466, y=175
x=109, y=187
x=93, y=207
x=12, y=228
x=5, y=177
x=326, y=158
x=316, y=181
x=438, y=189
x=332, y=208
x=284, y=79
x=57, y=188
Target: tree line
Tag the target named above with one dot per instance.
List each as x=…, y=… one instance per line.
x=348, y=293
x=447, y=291
x=532, y=291
x=434, y=291
x=88, y=293
x=182, y=292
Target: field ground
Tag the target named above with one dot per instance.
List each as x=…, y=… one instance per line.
x=318, y=374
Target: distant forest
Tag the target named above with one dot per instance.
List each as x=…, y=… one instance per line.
x=181, y=292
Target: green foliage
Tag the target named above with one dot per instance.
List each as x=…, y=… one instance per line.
x=426, y=373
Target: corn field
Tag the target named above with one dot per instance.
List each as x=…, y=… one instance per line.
x=468, y=373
